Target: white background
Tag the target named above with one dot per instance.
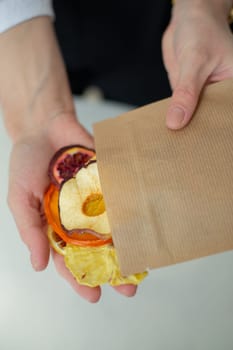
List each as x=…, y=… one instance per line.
x=185, y=307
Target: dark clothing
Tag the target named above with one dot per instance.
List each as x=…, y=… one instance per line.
x=115, y=45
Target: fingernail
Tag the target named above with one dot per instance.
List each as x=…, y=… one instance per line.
x=175, y=118
x=34, y=263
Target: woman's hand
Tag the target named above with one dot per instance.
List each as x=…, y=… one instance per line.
x=40, y=118
x=198, y=50
x=28, y=181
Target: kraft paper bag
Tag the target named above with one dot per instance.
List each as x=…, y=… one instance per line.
x=169, y=194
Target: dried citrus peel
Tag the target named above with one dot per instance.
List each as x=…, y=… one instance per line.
x=55, y=241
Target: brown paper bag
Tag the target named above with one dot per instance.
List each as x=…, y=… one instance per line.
x=169, y=194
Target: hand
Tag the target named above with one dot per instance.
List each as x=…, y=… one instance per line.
x=198, y=50
x=28, y=181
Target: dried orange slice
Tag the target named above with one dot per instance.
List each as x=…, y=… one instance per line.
x=55, y=241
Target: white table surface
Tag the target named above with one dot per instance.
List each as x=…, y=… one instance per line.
x=185, y=307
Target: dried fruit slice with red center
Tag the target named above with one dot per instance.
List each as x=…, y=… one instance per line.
x=67, y=162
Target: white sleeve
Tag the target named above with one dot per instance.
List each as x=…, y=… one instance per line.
x=13, y=12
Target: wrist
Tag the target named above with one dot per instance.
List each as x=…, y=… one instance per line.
x=218, y=9
x=33, y=87
x=36, y=121
x=61, y=130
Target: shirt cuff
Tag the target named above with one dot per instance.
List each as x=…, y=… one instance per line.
x=13, y=12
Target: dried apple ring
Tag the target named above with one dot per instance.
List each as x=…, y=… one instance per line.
x=82, y=237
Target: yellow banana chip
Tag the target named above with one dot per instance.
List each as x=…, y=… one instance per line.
x=94, y=266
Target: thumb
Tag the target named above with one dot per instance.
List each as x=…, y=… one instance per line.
x=192, y=77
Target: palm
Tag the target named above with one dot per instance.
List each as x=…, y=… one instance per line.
x=28, y=182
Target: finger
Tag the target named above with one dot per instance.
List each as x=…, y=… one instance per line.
x=88, y=293
x=128, y=290
x=26, y=210
x=193, y=75
x=169, y=58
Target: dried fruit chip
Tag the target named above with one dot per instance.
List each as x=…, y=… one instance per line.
x=67, y=161
x=56, y=241
x=78, y=224
x=76, y=237
x=95, y=266
x=81, y=203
